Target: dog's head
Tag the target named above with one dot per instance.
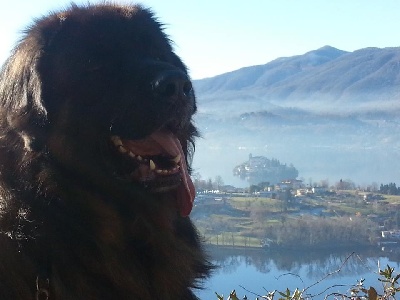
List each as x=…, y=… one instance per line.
x=99, y=92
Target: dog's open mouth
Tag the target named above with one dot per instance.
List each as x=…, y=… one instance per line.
x=158, y=163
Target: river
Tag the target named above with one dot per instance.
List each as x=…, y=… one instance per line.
x=254, y=272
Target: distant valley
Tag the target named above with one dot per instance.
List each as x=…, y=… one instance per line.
x=332, y=114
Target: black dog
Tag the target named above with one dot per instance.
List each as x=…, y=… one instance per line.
x=96, y=136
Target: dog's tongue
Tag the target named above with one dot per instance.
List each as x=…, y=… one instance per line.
x=165, y=141
x=186, y=191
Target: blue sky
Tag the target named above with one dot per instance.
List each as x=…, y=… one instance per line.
x=217, y=36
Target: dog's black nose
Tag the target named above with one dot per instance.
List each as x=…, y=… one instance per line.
x=172, y=85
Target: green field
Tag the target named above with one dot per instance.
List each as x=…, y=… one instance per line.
x=249, y=221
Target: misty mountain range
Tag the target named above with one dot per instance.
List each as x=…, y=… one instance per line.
x=333, y=114
x=321, y=76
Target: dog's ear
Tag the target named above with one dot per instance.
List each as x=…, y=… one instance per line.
x=21, y=107
x=20, y=84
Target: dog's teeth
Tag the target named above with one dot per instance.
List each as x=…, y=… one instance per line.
x=161, y=171
x=116, y=140
x=122, y=149
x=177, y=159
x=152, y=165
x=132, y=154
x=139, y=158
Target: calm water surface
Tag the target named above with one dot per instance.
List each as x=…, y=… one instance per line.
x=260, y=271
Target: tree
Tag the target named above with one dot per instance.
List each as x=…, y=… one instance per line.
x=324, y=183
x=397, y=219
x=392, y=189
x=345, y=185
x=254, y=188
x=389, y=189
x=209, y=185
x=373, y=187
x=285, y=197
x=263, y=185
x=218, y=182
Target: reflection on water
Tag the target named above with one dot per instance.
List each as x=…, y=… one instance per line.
x=260, y=271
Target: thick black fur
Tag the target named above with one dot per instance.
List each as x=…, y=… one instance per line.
x=67, y=219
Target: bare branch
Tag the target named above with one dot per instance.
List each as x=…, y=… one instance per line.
x=331, y=273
